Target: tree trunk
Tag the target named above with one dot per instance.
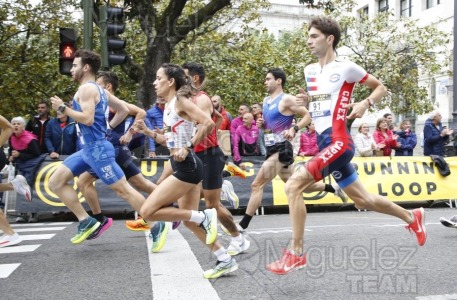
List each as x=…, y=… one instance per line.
x=158, y=53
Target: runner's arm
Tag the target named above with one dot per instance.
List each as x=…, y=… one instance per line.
x=7, y=130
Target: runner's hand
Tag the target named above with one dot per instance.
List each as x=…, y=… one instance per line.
x=302, y=97
x=358, y=109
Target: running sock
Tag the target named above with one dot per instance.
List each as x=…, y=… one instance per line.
x=296, y=253
x=197, y=216
x=238, y=239
x=412, y=216
x=222, y=255
x=244, y=223
x=99, y=217
x=329, y=188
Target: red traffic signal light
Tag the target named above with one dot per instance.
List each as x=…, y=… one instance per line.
x=67, y=49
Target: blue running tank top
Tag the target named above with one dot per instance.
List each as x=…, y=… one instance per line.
x=97, y=131
x=274, y=121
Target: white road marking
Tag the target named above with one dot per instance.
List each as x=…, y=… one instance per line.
x=41, y=224
x=167, y=276
x=7, y=269
x=19, y=249
x=39, y=229
x=438, y=297
x=33, y=237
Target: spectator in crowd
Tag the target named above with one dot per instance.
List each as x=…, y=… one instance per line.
x=364, y=142
x=24, y=152
x=245, y=140
x=154, y=121
x=60, y=136
x=24, y=149
x=308, y=141
x=435, y=136
x=238, y=121
x=226, y=116
x=37, y=125
x=406, y=138
x=390, y=121
x=385, y=139
x=257, y=112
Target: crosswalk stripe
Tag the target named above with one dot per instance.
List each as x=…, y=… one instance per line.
x=33, y=237
x=188, y=276
x=19, y=249
x=39, y=229
x=41, y=224
x=7, y=269
x=438, y=297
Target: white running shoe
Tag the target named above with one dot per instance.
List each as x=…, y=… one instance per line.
x=10, y=240
x=236, y=248
x=340, y=193
x=228, y=193
x=22, y=187
x=221, y=269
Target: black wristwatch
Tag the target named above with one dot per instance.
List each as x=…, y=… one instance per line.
x=296, y=128
x=62, y=108
x=189, y=145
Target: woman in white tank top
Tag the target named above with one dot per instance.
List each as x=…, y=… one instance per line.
x=180, y=115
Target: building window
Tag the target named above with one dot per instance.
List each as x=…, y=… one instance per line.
x=405, y=8
x=431, y=3
x=383, y=5
x=363, y=12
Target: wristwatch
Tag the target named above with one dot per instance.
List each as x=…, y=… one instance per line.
x=370, y=102
x=296, y=128
x=62, y=108
x=189, y=145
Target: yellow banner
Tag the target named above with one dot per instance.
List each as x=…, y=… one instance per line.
x=399, y=178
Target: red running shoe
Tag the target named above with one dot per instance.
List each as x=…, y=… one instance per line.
x=288, y=263
x=418, y=226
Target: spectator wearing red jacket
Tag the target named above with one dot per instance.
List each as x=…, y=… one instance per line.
x=385, y=139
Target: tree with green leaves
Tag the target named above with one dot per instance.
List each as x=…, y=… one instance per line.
x=397, y=51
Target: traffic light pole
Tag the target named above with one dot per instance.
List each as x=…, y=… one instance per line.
x=88, y=8
x=103, y=37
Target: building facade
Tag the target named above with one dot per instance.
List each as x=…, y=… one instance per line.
x=426, y=12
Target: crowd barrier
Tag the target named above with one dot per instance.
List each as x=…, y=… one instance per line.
x=413, y=178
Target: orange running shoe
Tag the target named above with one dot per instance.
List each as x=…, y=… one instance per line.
x=235, y=171
x=418, y=226
x=137, y=225
x=288, y=263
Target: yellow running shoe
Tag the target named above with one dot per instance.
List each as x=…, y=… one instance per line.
x=85, y=229
x=158, y=235
x=137, y=225
x=235, y=171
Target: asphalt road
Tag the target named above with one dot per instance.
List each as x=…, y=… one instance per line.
x=351, y=255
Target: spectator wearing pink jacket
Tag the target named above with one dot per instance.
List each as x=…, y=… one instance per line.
x=245, y=139
x=308, y=141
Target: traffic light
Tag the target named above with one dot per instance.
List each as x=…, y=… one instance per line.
x=67, y=49
x=112, y=25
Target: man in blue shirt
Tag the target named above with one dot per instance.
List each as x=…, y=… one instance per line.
x=154, y=121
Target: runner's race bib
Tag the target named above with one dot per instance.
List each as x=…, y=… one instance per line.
x=169, y=136
x=320, y=105
x=269, y=137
